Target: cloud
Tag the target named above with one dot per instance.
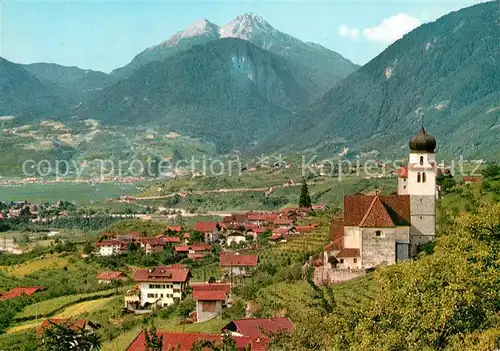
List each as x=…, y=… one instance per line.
x=392, y=28
x=345, y=31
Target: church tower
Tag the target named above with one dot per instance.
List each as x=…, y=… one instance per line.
x=422, y=188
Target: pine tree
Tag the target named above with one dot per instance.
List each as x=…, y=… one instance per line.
x=305, y=199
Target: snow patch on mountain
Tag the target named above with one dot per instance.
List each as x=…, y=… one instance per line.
x=199, y=28
x=244, y=26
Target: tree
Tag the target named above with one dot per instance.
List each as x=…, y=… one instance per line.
x=153, y=341
x=88, y=248
x=491, y=171
x=62, y=337
x=227, y=344
x=305, y=199
x=197, y=237
x=211, y=280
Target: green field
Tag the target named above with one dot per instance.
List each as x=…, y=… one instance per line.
x=48, y=307
x=74, y=192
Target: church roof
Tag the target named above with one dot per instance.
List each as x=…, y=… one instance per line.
x=376, y=210
x=422, y=142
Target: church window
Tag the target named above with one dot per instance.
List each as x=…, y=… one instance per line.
x=378, y=233
x=423, y=177
x=418, y=177
x=421, y=160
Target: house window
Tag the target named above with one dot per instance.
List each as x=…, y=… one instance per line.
x=404, y=187
x=341, y=260
x=423, y=177
x=150, y=296
x=378, y=233
x=421, y=160
x=418, y=177
x=354, y=260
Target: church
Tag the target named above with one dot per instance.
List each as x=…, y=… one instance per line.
x=380, y=230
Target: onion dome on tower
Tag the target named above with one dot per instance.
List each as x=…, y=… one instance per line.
x=422, y=142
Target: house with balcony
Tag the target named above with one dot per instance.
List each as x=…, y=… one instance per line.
x=159, y=286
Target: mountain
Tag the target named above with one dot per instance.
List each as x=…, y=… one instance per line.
x=447, y=71
x=23, y=94
x=324, y=66
x=199, y=32
x=73, y=78
x=228, y=91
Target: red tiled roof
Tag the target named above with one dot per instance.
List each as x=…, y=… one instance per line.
x=185, y=341
x=396, y=206
x=255, y=327
x=275, y=237
x=109, y=275
x=336, y=235
x=257, y=216
x=472, y=179
x=113, y=242
x=303, y=228
x=16, y=292
x=402, y=172
x=206, y=227
x=196, y=256
x=171, y=239
x=280, y=231
x=231, y=260
x=376, y=215
x=210, y=291
x=74, y=324
x=181, y=248
x=174, y=228
x=282, y=221
x=345, y=253
x=251, y=226
x=187, y=236
x=201, y=247
x=152, y=241
x=163, y=274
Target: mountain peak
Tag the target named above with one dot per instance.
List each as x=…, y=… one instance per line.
x=245, y=26
x=199, y=28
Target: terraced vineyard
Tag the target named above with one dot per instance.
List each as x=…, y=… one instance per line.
x=32, y=266
x=295, y=299
x=49, y=307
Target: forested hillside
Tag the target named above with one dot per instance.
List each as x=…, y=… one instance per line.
x=447, y=71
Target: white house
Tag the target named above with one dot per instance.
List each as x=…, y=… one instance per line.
x=110, y=247
x=235, y=237
x=161, y=285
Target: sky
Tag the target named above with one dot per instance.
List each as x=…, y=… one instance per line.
x=104, y=35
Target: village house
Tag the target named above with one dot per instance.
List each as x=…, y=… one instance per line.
x=381, y=230
x=152, y=245
x=159, y=286
x=185, y=341
x=211, y=230
x=17, y=292
x=111, y=247
x=211, y=299
x=237, y=265
x=195, y=251
x=175, y=229
x=472, y=179
x=283, y=222
x=108, y=277
x=73, y=324
x=234, y=238
x=258, y=327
